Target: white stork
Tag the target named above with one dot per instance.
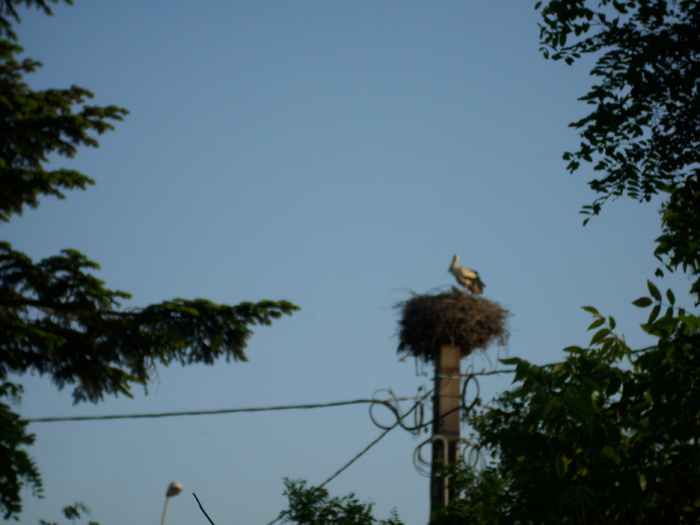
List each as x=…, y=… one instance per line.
x=466, y=277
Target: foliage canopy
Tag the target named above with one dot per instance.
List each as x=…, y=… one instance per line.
x=643, y=133
x=610, y=434
x=314, y=506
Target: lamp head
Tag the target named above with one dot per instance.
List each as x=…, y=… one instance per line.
x=173, y=489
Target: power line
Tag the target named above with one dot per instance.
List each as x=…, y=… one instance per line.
x=358, y=455
x=386, y=402
x=215, y=412
x=273, y=408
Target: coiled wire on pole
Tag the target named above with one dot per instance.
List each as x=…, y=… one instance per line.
x=469, y=455
x=468, y=407
x=399, y=416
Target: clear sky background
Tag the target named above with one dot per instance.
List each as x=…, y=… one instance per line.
x=334, y=154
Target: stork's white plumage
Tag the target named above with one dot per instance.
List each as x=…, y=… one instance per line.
x=466, y=277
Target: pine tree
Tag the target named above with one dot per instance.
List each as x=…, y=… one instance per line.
x=56, y=317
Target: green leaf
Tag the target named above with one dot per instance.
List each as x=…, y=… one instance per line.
x=671, y=298
x=591, y=310
x=663, y=327
x=512, y=361
x=563, y=463
x=642, y=302
x=599, y=336
x=654, y=291
x=691, y=321
x=597, y=323
x=654, y=313
x=610, y=453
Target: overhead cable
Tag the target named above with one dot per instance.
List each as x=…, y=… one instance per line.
x=213, y=412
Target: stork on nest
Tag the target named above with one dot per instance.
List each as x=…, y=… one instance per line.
x=466, y=277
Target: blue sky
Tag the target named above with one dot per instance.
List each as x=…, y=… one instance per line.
x=334, y=154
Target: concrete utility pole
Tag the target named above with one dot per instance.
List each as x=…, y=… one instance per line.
x=443, y=329
x=446, y=419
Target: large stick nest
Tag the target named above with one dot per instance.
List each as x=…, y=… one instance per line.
x=455, y=318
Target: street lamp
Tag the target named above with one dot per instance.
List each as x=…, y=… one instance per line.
x=173, y=490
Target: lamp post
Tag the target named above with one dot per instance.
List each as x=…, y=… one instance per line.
x=173, y=490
